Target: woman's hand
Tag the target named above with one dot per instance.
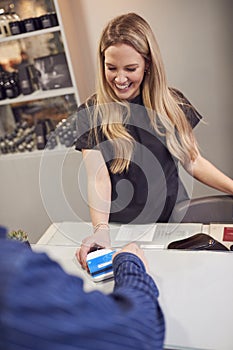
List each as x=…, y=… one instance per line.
x=100, y=238
x=134, y=249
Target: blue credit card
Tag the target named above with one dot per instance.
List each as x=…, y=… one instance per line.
x=100, y=264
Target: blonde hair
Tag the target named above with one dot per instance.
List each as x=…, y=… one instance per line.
x=162, y=103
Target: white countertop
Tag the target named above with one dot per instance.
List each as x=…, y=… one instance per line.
x=196, y=287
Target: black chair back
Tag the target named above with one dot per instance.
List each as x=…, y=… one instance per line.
x=206, y=210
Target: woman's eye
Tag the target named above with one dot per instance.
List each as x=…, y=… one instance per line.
x=131, y=69
x=127, y=69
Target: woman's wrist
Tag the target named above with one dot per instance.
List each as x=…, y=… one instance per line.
x=101, y=235
x=101, y=226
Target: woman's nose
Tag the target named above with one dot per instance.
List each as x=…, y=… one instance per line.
x=120, y=78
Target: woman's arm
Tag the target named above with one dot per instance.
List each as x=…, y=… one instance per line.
x=99, y=201
x=98, y=186
x=205, y=172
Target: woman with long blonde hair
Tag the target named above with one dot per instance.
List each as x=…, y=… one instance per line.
x=134, y=132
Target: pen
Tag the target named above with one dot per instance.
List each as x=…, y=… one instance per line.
x=152, y=246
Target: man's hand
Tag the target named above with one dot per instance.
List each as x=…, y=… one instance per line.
x=134, y=249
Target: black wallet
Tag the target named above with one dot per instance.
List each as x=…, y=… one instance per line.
x=199, y=241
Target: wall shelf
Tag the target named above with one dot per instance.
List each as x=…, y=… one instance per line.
x=30, y=34
x=37, y=95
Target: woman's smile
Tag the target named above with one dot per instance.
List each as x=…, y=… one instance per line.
x=124, y=70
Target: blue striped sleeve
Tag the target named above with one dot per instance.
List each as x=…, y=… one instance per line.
x=139, y=296
x=42, y=307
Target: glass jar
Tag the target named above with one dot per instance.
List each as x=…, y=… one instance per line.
x=2, y=89
x=11, y=85
x=31, y=24
x=15, y=27
x=4, y=25
x=46, y=21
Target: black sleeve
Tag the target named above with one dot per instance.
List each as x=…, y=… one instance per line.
x=189, y=110
x=85, y=134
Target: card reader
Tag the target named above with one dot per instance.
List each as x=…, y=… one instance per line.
x=99, y=263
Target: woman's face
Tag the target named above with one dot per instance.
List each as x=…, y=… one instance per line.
x=124, y=70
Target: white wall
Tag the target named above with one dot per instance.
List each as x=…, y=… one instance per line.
x=42, y=189
x=195, y=38
x=196, y=42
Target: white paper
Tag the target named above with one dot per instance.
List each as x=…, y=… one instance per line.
x=157, y=235
x=136, y=233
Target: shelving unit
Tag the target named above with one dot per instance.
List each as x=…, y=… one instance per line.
x=30, y=34
x=40, y=94
x=20, y=191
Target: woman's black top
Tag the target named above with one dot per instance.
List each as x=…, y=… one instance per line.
x=151, y=187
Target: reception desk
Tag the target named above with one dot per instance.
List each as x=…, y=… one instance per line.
x=196, y=287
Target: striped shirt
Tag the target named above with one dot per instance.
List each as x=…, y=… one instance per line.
x=44, y=308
